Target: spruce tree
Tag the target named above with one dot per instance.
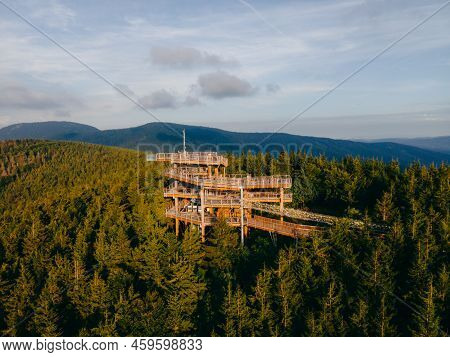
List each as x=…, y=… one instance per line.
x=425, y=320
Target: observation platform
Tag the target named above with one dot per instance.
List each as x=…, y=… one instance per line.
x=201, y=192
x=190, y=158
x=228, y=182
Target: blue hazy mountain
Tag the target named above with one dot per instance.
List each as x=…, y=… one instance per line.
x=438, y=143
x=205, y=138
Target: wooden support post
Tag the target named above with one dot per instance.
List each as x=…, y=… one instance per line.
x=242, y=216
x=281, y=203
x=202, y=212
x=177, y=221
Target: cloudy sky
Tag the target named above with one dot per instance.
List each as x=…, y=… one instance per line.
x=238, y=65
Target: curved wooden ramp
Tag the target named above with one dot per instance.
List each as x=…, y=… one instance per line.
x=288, y=229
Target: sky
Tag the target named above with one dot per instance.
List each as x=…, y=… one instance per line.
x=249, y=66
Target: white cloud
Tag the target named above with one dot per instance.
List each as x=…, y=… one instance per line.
x=186, y=57
x=220, y=85
x=54, y=14
x=19, y=97
x=159, y=99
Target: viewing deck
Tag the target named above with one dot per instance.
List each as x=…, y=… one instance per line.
x=249, y=196
x=230, y=183
x=190, y=158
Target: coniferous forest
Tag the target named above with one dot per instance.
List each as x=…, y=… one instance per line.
x=85, y=250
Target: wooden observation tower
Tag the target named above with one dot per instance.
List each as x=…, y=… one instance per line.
x=201, y=192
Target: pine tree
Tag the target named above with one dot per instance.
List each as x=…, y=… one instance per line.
x=98, y=298
x=425, y=320
x=288, y=293
x=442, y=298
x=151, y=262
x=191, y=246
x=223, y=248
x=46, y=319
x=302, y=189
x=263, y=300
x=137, y=315
x=359, y=319
x=385, y=207
x=185, y=290
x=19, y=304
x=238, y=315
x=314, y=326
x=331, y=316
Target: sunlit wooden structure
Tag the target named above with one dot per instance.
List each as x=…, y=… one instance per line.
x=201, y=192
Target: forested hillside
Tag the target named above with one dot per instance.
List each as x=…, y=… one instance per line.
x=85, y=250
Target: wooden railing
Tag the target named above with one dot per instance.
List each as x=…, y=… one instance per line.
x=193, y=158
x=284, y=228
x=230, y=183
x=181, y=192
x=220, y=194
x=223, y=198
x=248, y=182
x=195, y=217
x=267, y=196
x=192, y=217
x=184, y=176
x=219, y=202
x=193, y=171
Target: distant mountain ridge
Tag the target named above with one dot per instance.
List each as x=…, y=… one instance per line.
x=199, y=137
x=438, y=143
x=52, y=130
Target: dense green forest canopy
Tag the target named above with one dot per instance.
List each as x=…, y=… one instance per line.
x=85, y=250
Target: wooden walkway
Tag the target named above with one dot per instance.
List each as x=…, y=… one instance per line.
x=315, y=217
x=281, y=227
x=249, y=196
x=258, y=222
x=196, y=218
